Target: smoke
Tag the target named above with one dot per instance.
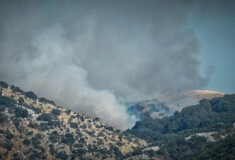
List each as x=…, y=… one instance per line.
x=89, y=55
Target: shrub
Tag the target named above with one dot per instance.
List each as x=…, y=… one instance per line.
x=36, y=110
x=8, y=102
x=30, y=133
x=44, y=117
x=8, y=145
x=73, y=125
x=62, y=155
x=44, y=100
x=55, y=112
x=68, y=139
x=30, y=94
x=3, y=84
x=21, y=112
x=54, y=137
x=16, y=89
x=26, y=142
x=21, y=101
x=2, y=108
x=9, y=135
x=3, y=118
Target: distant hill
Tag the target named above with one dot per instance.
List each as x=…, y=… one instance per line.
x=35, y=128
x=195, y=129
x=167, y=105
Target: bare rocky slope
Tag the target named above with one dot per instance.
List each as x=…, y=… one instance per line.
x=35, y=128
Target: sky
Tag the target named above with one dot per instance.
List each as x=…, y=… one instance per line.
x=216, y=34
x=90, y=56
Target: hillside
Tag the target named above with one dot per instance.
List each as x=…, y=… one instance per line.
x=35, y=128
x=167, y=105
x=193, y=130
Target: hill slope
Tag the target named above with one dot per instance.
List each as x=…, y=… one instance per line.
x=191, y=131
x=167, y=105
x=35, y=128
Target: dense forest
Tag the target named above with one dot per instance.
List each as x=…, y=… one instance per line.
x=216, y=115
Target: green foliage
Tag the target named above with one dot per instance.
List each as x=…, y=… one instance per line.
x=224, y=149
x=52, y=149
x=44, y=100
x=3, y=84
x=9, y=135
x=8, y=102
x=30, y=94
x=21, y=101
x=3, y=118
x=118, y=153
x=217, y=114
x=30, y=133
x=17, y=89
x=68, y=138
x=36, y=110
x=8, y=145
x=37, y=155
x=137, y=152
x=44, y=117
x=191, y=119
x=26, y=142
x=54, y=136
x=62, y=155
x=55, y=112
x=2, y=108
x=21, y=112
x=73, y=125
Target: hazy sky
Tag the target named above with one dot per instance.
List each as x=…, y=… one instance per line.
x=90, y=55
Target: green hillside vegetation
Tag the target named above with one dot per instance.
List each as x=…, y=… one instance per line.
x=223, y=150
x=216, y=115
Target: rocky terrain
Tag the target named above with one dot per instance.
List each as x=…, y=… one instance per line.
x=35, y=128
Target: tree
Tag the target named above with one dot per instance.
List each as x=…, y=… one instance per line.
x=3, y=84
x=68, y=138
x=30, y=94
x=26, y=142
x=21, y=112
x=21, y=101
x=44, y=117
x=56, y=112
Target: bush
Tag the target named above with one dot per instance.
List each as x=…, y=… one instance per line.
x=55, y=112
x=30, y=94
x=54, y=136
x=16, y=89
x=21, y=112
x=2, y=108
x=44, y=100
x=36, y=110
x=9, y=135
x=62, y=155
x=73, y=125
x=8, y=145
x=21, y=101
x=3, y=118
x=26, y=142
x=30, y=133
x=68, y=139
x=3, y=84
x=8, y=102
x=44, y=117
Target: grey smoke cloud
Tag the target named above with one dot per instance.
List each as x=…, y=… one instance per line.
x=89, y=55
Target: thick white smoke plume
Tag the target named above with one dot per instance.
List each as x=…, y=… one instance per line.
x=89, y=55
